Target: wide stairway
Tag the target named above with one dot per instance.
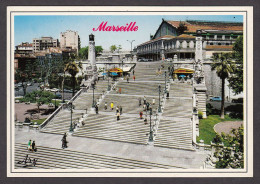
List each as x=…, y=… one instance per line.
x=175, y=127
x=54, y=158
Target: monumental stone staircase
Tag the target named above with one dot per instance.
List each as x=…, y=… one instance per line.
x=174, y=130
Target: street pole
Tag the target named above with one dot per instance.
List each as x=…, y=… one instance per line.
x=159, y=108
x=55, y=100
x=130, y=43
x=71, y=108
x=93, y=86
x=165, y=82
x=151, y=131
x=108, y=86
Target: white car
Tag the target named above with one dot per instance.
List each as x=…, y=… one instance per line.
x=54, y=90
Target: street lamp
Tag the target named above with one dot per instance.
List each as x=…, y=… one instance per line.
x=151, y=131
x=131, y=41
x=108, y=85
x=93, y=87
x=55, y=99
x=165, y=73
x=159, y=108
x=71, y=111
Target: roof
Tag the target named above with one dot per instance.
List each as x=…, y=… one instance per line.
x=193, y=26
x=25, y=45
x=159, y=38
x=186, y=36
x=219, y=47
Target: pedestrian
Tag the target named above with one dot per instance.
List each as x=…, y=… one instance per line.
x=96, y=107
x=64, y=141
x=147, y=106
x=133, y=72
x=140, y=101
x=153, y=101
x=144, y=99
x=117, y=109
x=112, y=105
x=120, y=90
x=141, y=115
x=118, y=116
x=29, y=144
x=34, y=147
x=144, y=107
x=121, y=109
x=127, y=79
x=134, y=77
x=105, y=107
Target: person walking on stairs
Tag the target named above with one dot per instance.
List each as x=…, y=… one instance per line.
x=118, y=116
x=96, y=107
x=64, y=141
x=112, y=106
x=33, y=147
x=120, y=109
x=29, y=145
x=153, y=101
x=141, y=115
x=120, y=90
x=105, y=107
x=134, y=77
x=133, y=72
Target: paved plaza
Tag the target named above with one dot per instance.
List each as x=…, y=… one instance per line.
x=126, y=142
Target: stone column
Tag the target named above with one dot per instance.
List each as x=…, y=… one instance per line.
x=91, y=50
x=198, y=51
x=162, y=52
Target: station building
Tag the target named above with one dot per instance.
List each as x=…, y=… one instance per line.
x=179, y=38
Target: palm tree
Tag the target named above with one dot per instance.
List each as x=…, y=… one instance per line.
x=72, y=69
x=223, y=66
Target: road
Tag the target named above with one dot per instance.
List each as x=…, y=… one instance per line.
x=217, y=105
x=34, y=87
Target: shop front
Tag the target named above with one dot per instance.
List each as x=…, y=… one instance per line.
x=183, y=73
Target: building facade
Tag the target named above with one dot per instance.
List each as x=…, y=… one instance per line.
x=179, y=38
x=24, y=48
x=44, y=43
x=70, y=40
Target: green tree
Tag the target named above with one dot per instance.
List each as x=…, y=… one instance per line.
x=119, y=48
x=98, y=50
x=72, y=69
x=83, y=53
x=223, y=66
x=232, y=156
x=113, y=48
x=236, y=78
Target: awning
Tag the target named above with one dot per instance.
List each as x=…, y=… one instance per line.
x=183, y=70
x=116, y=70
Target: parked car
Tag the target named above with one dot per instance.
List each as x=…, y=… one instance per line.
x=67, y=90
x=58, y=96
x=54, y=90
x=238, y=100
x=20, y=84
x=150, y=59
x=51, y=105
x=216, y=99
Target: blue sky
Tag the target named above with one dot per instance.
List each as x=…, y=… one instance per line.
x=28, y=27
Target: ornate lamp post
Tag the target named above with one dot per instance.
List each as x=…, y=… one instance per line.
x=55, y=99
x=93, y=87
x=71, y=107
x=151, y=131
x=108, y=85
x=159, y=108
x=165, y=73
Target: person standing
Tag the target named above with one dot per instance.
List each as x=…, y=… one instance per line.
x=133, y=72
x=112, y=105
x=120, y=90
x=140, y=102
x=117, y=109
x=141, y=115
x=118, y=116
x=147, y=106
x=33, y=146
x=96, y=107
x=121, y=109
x=29, y=144
x=64, y=141
x=144, y=99
x=153, y=101
x=105, y=107
x=134, y=77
